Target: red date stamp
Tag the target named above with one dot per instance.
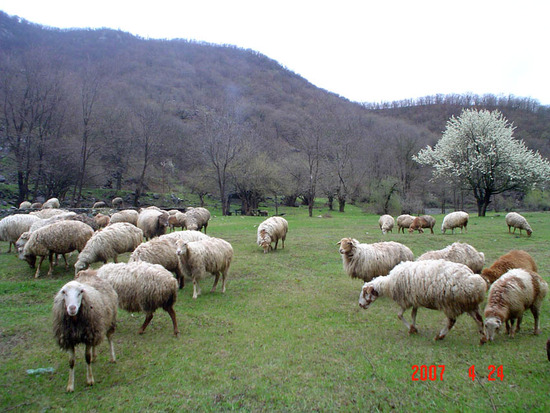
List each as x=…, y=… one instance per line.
x=431, y=373
x=493, y=371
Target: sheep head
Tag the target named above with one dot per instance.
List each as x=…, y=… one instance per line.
x=367, y=296
x=181, y=248
x=347, y=245
x=72, y=296
x=265, y=241
x=79, y=266
x=492, y=326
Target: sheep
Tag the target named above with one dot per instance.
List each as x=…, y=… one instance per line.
x=435, y=284
x=36, y=205
x=162, y=250
x=25, y=205
x=196, y=218
x=84, y=312
x=109, y=243
x=152, y=222
x=425, y=221
x=102, y=220
x=272, y=230
x=386, y=223
x=48, y=212
x=366, y=261
x=51, y=203
x=515, y=220
x=404, y=221
x=211, y=255
x=176, y=220
x=457, y=219
x=141, y=287
x=117, y=202
x=85, y=218
x=506, y=262
x=509, y=296
x=458, y=252
x=126, y=215
x=58, y=238
x=11, y=227
x=99, y=204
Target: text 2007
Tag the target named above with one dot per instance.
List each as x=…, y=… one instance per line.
x=424, y=372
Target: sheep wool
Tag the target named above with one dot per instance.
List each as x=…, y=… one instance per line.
x=366, y=261
x=457, y=219
x=458, y=252
x=115, y=239
x=386, y=223
x=404, y=221
x=51, y=203
x=153, y=222
x=509, y=261
x=195, y=219
x=272, y=230
x=425, y=221
x=509, y=297
x=126, y=215
x=435, y=284
x=84, y=312
x=49, y=212
x=11, y=227
x=515, y=220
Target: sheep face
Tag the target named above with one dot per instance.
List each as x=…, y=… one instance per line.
x=492, y=326
x=367, y=296
x=346, y=245
x=79, y=266
x=72, y=296
x=265, y=241
x=31, y=259
x=181, y=247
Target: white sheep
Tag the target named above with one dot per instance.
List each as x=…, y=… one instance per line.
x=457, y=219
x=386, y=223
x=126, y=215
x=108, y=243
x=404, y=221
x=51, y=203
x=272, y=230
x=515, y=220
x=25, y=205
x=11, y=227
x=162, y=250
x=509, y=261
x=117, y=202
x=435, y=284
x=366, y=261
x=153, y=222
x=99, y=204
x=141, y=287
x=509, y=296
x=60, y=237
x=39, y=223
x=196, y=218
x=211, y=255
x=458, y=252
x=48, y=212
x=84, y=312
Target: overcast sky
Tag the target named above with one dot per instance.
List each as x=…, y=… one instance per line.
x=366, y=51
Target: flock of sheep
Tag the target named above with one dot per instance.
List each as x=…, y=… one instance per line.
x=451, y=280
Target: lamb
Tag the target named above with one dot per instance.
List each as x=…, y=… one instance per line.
x=458, y=252
x=196, y=218
x=51, y=203
x=386, y=223
x=102, y=220
x=126, y=215
x=152, y=222
x=11, y=227
x=84, y=312
x=457, y=219
x=509, y=296
x=272, y=230
x=435, y=284
x=506, y=262
x=25, y=205
x=58, y=238
x=162, y=250
x=404, y=221
x=109, y=243
x=515, y=220
x=211, y=255
x=117, y=202
x=141, y=287
x=366, y=261
x=425, y=221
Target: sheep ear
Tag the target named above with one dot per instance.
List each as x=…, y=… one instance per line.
x=339, y=243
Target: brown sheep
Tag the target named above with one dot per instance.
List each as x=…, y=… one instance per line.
x=514, y=259
x=425, y=221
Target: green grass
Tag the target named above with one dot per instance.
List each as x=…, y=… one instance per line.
x=288, y=335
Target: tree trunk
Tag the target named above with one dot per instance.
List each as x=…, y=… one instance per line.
x=341, y=204
x=330, y=203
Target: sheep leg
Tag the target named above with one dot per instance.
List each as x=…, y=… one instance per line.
x=535, y=312
x=276, y=243
x=509, y=325
x=115, y=259
x=215, y=282
x=180, y=276
x=224, y=278
x=111, y=345
x=196, y=288
x=9, y=249
x=37, y=273
x=172, y=313
x=89, y=375
x=70, y=384
x=400, y=316
x=50, y=269
x=66, y=263
x=450, y=323
x=520, y=319
x=148, y=319
x=412, y=328
x=479, y=321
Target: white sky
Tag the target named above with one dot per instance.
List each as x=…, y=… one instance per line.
x=364, y=50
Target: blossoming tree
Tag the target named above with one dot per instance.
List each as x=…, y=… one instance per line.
x=477, y=149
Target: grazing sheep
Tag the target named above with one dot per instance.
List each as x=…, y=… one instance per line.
x=458, y=252
x=425, y=221
x=36, y=205
x=509, y=261
x=509, y=296
x=162, y=250
x=457, y=219
x=126, y=215
x=84, y=312
x=152, y=222
x=141, y=287
x=272, y=230
x=515, y=220
x=109, y=243
x=366, y=261
x=176, y=220
x=196, y=218
x=60, y=237
x=25, y=205
x=435, y=284
x=11, y=227
x=117, y=202
x=404, y=221
x=51, y=203
x=102, y=220
x=211, y=255
x=99, y=204
x=386, y=223
x=48, y=212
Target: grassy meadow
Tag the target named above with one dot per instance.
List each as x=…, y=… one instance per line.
x=288, y=334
